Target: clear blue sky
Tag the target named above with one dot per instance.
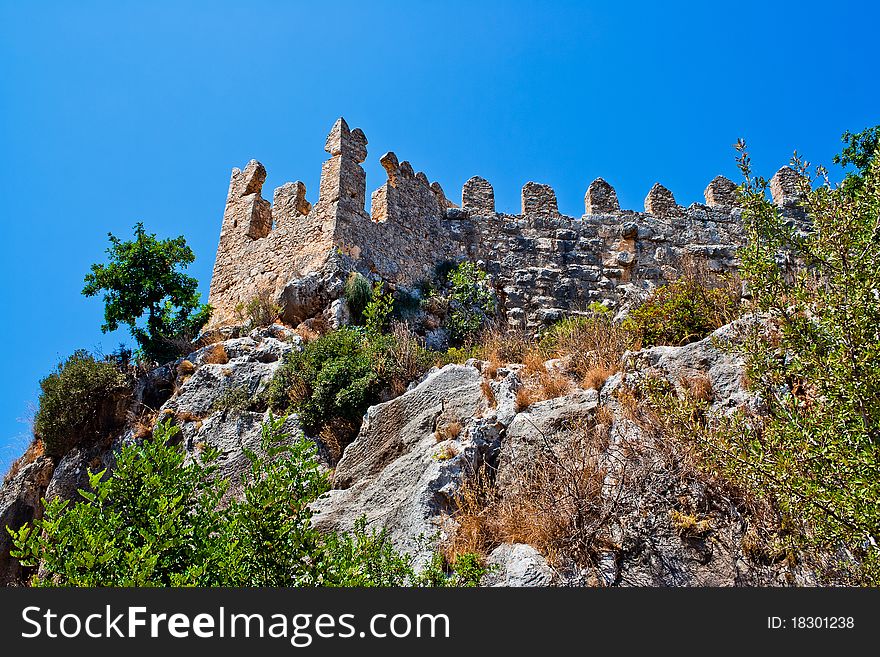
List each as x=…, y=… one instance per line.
x=117, y=112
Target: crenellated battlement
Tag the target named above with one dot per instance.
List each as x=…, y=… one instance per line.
x=544, y=264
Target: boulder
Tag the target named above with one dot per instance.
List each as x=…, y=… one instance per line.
x=543, y=425
x=517, y=564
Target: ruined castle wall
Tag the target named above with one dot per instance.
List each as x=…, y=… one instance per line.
x=403, y=238
x=548, y=266
x=544, y=264
x=263, y=246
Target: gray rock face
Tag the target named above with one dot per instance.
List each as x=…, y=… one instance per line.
x=339, y=314
x=710, y=360
x=408, y=461
x=414, y=452
x=517, y=564
x=250, y=364
x=540, y=427
x=231, y=433
x=303, y=298
x=19, y=504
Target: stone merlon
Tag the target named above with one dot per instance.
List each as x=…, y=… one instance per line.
x=539, y=199
x=660, y=202
x=600, y=198
x=787, y=187
x=478, y=196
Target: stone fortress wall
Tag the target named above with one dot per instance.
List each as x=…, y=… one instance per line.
x=543, y=264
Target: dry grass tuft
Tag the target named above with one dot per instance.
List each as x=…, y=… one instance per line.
x=180, y=417
x=34, y=451
x=504, y=346
x=554, y=385
x=142, y=427
x=448, y=431
x=336, y=435
x=306, y=333
x=489, y=393
x=446, y=452
x=407, y=352
x=596, y=376
x=525, y=397
x=534, y=362
x=699, y=387
x=594, y=344
x=215, y=356
x=185, y=368
x=690, y=525
x=491, y=368
x=555, y=504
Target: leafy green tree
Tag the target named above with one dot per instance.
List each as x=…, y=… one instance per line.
x=144, y=277
x=859, y=153
x=816, y=360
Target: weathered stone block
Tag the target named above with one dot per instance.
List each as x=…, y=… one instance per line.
x=661, y=203
x=786, y=188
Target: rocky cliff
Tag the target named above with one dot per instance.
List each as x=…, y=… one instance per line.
x=651, y=519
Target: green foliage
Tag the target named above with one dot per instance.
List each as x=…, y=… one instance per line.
x=78, y=403
x=816, y=362
x=858, y=152
x=358, y=294
x=152, y=522
x=680, y=312
x=271, y=540
x=472, y=302
x=261, y=310
x=377, y=312
x=158, y=521
x=142, y=277
x=334, y=376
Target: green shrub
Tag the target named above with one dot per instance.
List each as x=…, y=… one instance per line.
x=472, y=302
x=377, y=312
x=357, y=294
x=815, y=362
x=260, y=311
x=680, y=312
x=336, y=377
x=156, y=521
x=80, y=403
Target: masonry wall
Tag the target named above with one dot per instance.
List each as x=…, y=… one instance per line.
x=543, y=264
